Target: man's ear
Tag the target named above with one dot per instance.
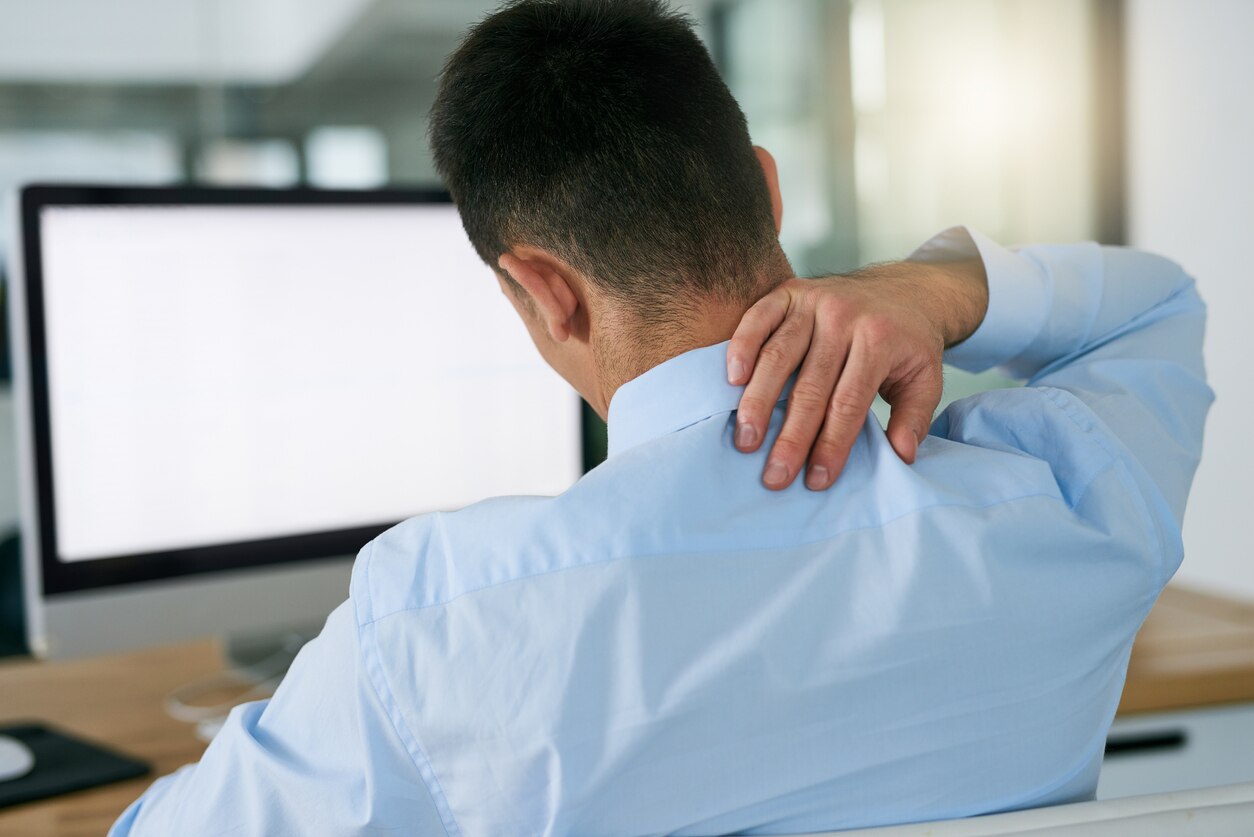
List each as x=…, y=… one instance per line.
x=772, y=184
x=550, y=285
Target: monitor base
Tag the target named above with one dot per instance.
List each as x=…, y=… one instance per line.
x=259, y=656
x=256, y=663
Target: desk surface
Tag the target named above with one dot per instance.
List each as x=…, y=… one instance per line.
x=115, y=700
x=1194, y=650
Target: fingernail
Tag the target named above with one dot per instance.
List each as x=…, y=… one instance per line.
x=746, y=435
x=735, y=370
x=816, y=477
x=776, y=473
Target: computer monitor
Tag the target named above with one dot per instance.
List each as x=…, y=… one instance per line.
x=224, y=394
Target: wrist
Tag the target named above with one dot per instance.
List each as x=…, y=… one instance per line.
x=957, y=297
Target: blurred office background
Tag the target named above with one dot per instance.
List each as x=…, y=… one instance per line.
x=1032, y=120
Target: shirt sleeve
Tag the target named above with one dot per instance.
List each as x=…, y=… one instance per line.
x=1110, y=339
x=320, y=757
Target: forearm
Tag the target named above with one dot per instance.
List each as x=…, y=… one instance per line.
x=1119, y=330
x=957, y=294
x=1106, y=303
x=1048, y=305
x=953, y=295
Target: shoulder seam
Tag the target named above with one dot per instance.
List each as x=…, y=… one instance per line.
x=376, y=678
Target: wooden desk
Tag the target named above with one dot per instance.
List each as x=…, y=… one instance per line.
x=117, y=701
x=1194, y=650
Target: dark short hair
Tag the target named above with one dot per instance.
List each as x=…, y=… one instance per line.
x=600, y=130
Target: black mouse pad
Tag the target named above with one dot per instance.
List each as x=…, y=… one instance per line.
x=63, y=763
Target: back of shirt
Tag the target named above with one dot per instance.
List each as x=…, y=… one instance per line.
x=670, y=648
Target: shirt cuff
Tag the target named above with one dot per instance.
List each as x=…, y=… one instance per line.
x=1018, y=298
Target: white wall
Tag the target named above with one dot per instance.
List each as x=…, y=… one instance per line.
x=1191, y=196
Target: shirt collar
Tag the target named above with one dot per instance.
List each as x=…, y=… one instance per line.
x=673, y=395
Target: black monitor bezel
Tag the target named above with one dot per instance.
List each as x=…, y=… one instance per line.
x=66, y=577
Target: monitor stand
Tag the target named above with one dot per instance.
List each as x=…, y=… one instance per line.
x=255, y=665
x=258, y=657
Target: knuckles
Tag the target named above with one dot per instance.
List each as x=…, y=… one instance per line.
x=752, y=408
x=809, y=395
x=830, y=317
x=833, y=305
x=844, y=410
x=877, y=330
x=774, y=355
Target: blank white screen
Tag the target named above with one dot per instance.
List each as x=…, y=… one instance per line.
x=220, y=374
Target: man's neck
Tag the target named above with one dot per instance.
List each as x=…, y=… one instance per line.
x=628, y=349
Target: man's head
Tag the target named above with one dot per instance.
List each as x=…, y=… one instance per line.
x=602, y=167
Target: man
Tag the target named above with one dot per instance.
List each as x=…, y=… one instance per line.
x=670, y=646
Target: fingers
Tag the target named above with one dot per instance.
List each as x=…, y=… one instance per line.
x=755, y=328
x=779, y=356
x=846, y=413
x=914, y=400
x=850, y=344
x=807, y=407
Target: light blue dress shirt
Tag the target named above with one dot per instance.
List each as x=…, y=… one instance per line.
x=669, y=648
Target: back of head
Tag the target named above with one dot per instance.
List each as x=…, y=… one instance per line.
x=600, y=131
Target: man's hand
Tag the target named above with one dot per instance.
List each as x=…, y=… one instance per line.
x=882, y=329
